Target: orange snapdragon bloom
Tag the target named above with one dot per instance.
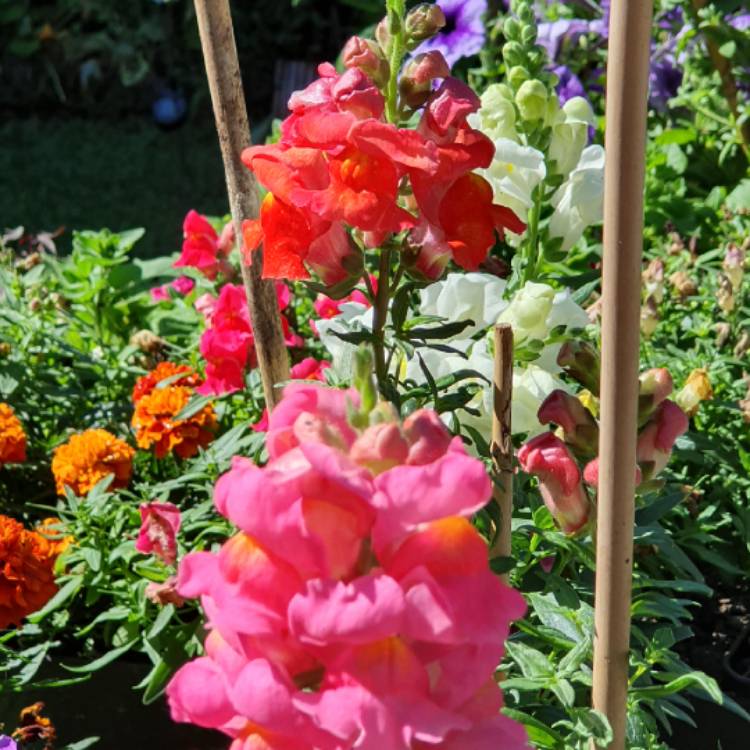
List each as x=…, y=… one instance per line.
x=162, y=371
x=155, y=423
x=90, y=456
x=27, y=580
x=12, y=437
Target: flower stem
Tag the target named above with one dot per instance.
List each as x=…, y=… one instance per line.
x=381, y=313
x=395, y=52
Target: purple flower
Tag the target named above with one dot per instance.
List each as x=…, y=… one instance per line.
x=569, y=84
x=664, y=80
x=552, y=34
x=741, y=21
x=463, y=34
x=7, y=743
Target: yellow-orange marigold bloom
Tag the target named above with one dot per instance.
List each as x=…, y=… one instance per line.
x=155, y=424
x=27, y=580
x=53, y=530
x=90, y=456
x=12, y=437
x=144, y=385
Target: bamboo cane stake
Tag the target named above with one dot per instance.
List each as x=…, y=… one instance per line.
x=233, y=128
x=625, y=141
x=502, y=445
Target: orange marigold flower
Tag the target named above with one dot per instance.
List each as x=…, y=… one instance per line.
x=12, y=437
x=53, y=530
x=147, y=383
x=155, y=424
x=90, y=456
x=27, y=580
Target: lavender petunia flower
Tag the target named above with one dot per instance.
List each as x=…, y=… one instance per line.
x=664, y=80
x=7, y=743
x=552, y=34
x=569, y=84
x=741, y=21
x=463, y=34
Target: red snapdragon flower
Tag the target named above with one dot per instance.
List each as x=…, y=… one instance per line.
x=202, y=247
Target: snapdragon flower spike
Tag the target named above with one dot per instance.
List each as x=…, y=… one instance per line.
x=548, y=458
x=347, y=612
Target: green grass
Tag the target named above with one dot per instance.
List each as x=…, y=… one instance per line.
x=84, y=174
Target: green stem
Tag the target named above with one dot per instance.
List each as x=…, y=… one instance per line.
x=395, y=52
x=381, y=313
x=531, y=259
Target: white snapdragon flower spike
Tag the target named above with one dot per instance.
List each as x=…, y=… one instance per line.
x=353, y=317
x=579, y=202
x=514, y=173
x=465, y=296
x=570, y=134
x=496, y=117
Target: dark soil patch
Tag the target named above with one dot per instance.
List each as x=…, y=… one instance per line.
x=721, y=649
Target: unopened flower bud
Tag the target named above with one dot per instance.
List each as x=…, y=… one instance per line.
x=512, y=29
x=5, y=349
x=734, y=266
x=427, y=435
x=549, y=459
x=380, y=447
x=422, y=22
x=697, y=388
x=683, y=284
x=382, y=34
x=165, y=593
x=649, y=317
x=723, y=331
x=513, y=53
x=368, y=57
x=518, y=75
x=654, y=386
x=676, y=244
x=725, y=294
x=742, y=345
x=415, y=85
x=364, y=381
x=531, y=99
x=580, y=430
x=657, y=438
x=31, y=260
x=582, y=363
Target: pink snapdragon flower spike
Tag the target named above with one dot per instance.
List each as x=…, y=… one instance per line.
x=355, y=607
x=656, y=440
x=548, y=458
x=160, y=523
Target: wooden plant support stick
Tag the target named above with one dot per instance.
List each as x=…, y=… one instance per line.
x=233, y=127
x=502, y=445
x=625, y=143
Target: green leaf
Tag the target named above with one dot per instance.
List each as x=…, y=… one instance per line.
x=739, y=198
x=691, y=679
x=728, y=49
x=533, y=663
x=102, y=661
x=66, y=592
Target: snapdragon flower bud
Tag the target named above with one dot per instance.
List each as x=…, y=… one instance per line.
x=368, y=57
x=582, y=363
x=415, y=86
x=531, y=99
x=518, y=75
x=422, y=22
x=653, y=387
x=580, y=430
